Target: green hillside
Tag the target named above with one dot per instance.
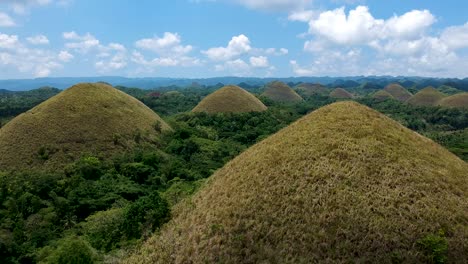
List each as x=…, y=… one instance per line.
x=281, y=92
x=428, y=96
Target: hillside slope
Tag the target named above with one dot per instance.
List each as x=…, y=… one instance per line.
x=230, y=99
x=342, y=184
x=428, y=96
x=340, y=93
x=86, y=118
x=457, y=100
x=281, y=92
x=398, y=92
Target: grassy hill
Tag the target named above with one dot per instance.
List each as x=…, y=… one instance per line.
x=382, y=95
x=428, y=96
x=342, y=184
x=458, y=100
x=281, y=92
x=398, y=92
x=310, y=89
x=230, y=99
x=341, y=93
x=84, y=118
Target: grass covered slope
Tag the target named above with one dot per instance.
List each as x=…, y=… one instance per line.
x=382, y=95
x=457, y=100
x=310, y=89
x=281, y=92
x=341, y=93
x=398, y=92
x=342, y=184
x=230, y=99
x=84, y=118
x=428, y=96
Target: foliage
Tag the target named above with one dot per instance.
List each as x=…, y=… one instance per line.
x=435, y=247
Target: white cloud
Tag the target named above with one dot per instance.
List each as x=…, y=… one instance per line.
x=6, y=20
x=456, y=37
x=117, y=62
x=259, y=62
x=237, y=67
x=302, y=15
x=360, y=27
x=8, y=41
x=22, y=6
x=65, y=56
x=273, y=51
x=169, y=44
x=237, y=46
x=38, y=40
x=184, y=61
x=81, y=43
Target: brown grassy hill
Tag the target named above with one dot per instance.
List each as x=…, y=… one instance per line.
x=344, y=184
x=398, y=92
x=87, y=117
x=310, y=89
x=230, y=99
x=341, y=93
x=281, y=92
x=458, y=100
x=428, y=96
x=382, y=95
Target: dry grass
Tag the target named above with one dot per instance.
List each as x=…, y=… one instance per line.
x=341, y=93
x=398, y=92
x=428, y=96
x=281, y=92
x=86, y=117
x=382, y=95
x=310, y=89
x=458, y=100
x=344, y=184
x=230, y=99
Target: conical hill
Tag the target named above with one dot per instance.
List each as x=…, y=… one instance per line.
x=343, y=184
x=310, y=89
x=457, y=100
x=340, y=93
x=281, y=92
x=398, y=92
x=92, y=118
x=428, y=96
x=382, y=95
x=230, y=99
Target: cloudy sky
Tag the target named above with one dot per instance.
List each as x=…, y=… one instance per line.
x=207, y=38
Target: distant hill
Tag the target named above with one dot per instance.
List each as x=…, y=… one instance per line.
x=340, y=93
x=281, y=92
x=428, y=96
x=86, y=118
x=230, y=99
x=398, y=92
x=382, y=95
x=458, y=101
x=343, y=184
x=310, y=89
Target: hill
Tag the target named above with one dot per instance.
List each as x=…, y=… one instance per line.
x=310, y=89
x=382, y=95
x=398, y=92
x=458, y=100
x=230, y=99
x=86, y=117
x=341, y=93
x=281, y=92
x=342, y=184
x=428, y=96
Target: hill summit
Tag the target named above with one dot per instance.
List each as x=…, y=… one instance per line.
x=310, y=89
x=457, y=100
x=341, y=93
x=342, y=184
x=88, y=117
x=398, y=92
x=382, y=95
x=428, y=96
x=281, y=92
x=230, y=99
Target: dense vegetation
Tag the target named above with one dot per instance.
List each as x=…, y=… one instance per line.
x=106, y=207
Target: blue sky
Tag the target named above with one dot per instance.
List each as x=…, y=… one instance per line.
x=208, y=38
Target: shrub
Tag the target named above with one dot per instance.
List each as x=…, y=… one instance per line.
x=435, y=247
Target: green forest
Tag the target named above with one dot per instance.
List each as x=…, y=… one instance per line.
x=99, y=209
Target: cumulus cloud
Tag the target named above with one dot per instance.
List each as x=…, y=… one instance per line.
x=65, y=56
x=456, y=37
x=6, y=20
x=237, y=46
x=274, y=5
x=169, y=44
x=22, y=6
x=8, y=41
x=259, y=62
x=38, y=40
x=80, y=43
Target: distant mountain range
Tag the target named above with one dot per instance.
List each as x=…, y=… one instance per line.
x=371, y=82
